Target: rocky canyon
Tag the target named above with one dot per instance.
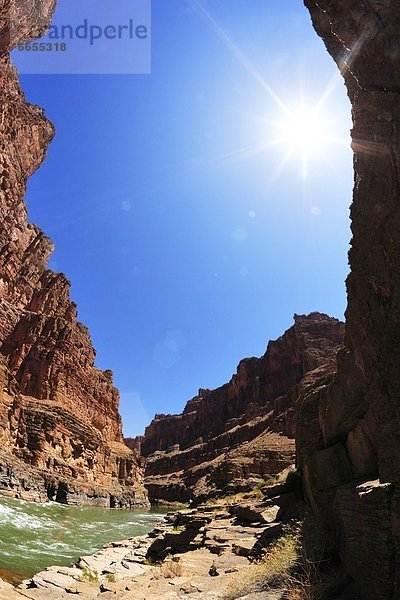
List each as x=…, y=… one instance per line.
x=346, y=423
x=242, y=433
x=60, y=429
x=323, y=397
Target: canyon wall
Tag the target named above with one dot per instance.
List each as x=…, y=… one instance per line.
x=242, y=433
x=58, y=412
x=348, y=445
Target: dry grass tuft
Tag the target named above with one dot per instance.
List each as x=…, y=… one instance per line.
x=170, y=568
x=284, y=567
x=313, y=583
x=273, y=571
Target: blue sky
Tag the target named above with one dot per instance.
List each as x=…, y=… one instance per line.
x=188, y=243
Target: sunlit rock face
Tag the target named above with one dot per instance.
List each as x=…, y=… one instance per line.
x=23, y=20
x=236, y=436
x=356, y=421
x=58, y=412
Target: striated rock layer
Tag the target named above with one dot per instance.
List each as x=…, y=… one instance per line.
x=241, y=433
x=58, y=412
x=348, y=445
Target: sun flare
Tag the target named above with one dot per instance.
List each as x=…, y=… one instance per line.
x=305, y=131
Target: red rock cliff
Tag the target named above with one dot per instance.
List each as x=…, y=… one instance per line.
x=58, y=412
x=243, y=430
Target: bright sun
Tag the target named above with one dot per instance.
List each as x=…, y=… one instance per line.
x=305, y=131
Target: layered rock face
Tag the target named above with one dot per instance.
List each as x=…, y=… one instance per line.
x=58, y=412
x=349, y=432
x=241, y=433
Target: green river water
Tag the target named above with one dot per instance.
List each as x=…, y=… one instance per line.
x=35, y=536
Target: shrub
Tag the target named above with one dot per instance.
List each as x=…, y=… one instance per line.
x=90, y=576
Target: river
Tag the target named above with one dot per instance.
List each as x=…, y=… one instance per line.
x=35, y=536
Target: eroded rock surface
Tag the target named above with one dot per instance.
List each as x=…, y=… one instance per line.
x=242, y=433
x=58, y=412
x=349, y=441
x=201, y=553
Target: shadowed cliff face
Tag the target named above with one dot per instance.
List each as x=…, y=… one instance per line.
x=357, y=419
x=58, y=412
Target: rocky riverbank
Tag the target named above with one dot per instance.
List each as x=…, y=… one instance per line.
x=203, y=552
x=239, y=547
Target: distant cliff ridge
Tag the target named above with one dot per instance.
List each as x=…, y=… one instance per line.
x=243, y=432
x=58, y=412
